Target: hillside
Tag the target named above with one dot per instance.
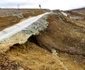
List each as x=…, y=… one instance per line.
x=59, y=47
x=79, y=10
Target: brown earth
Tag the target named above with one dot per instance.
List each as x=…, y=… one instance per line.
x=29, y=55
x=64, y=37
x=7, y=64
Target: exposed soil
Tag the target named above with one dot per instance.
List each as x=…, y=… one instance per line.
x=36, y=58
x=64, y=35
x=64, y=38
x=7, y=64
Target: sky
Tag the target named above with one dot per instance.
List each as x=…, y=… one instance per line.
x=48, y=4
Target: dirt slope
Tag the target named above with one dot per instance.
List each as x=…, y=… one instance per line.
x=64, y=37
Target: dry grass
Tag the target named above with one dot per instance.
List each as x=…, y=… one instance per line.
x=81, y=10
x=7, y=21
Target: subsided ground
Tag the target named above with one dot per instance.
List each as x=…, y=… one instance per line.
x=61, y=34
x=29, y=55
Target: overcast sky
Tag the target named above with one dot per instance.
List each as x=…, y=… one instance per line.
x=50, y=4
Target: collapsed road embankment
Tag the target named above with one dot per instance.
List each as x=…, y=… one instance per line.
x=19, y=33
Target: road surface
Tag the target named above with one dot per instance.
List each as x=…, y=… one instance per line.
x=8, y=32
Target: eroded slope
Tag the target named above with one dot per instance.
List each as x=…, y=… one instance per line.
x=63, y=37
